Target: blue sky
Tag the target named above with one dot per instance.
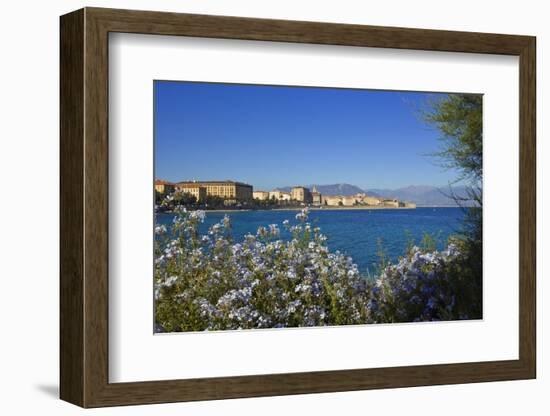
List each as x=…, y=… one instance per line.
x=271, y=136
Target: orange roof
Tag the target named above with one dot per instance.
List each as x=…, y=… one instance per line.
x=161, y=182
x=203, y=183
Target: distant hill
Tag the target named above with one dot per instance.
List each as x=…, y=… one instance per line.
x=421, y=195
x=335, y=189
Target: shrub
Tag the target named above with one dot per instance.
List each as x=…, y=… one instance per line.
x=210, y=282
x=422, y=286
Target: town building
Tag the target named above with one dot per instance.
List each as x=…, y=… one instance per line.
x=364, y=199
x=228, y=190
x=280, y=196
x=164, y=187
x=198, y=191
x=260, y=195
x=349, y=200
x=393, y=203
x=301, y=194
x=371, y=200
x=316, y=197
x=234, y=192
x=332, y=200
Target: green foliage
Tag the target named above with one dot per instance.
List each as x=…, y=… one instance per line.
x=381, y=253
x=158, y=197
x=264, y=203
x=429, y=241
x=213, y=202
x=184, y=198
x=426, y=286
x=459, y=118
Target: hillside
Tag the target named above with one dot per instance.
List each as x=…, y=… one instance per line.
x=421, y=195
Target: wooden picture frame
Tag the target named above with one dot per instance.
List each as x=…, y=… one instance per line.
x=84, y=207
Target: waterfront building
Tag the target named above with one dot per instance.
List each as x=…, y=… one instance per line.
x=316, y=197
x=228, y=190
x=370, y=200
x=163, y=187
x=349, y=200
x=332, y=200
x=198, y=191
x=301, y=194
x=364, y=199
x=261, y=195
x=280, y=196
x=394, y=203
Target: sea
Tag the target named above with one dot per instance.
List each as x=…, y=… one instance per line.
x=361, y=234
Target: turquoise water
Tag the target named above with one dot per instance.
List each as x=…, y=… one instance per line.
x=353, y=232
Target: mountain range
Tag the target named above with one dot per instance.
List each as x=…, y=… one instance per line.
x=421, y=195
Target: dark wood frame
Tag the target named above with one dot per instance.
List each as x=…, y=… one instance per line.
x=84, y=207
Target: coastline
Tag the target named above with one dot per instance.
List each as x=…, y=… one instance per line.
x=337, y=208
x=332, y=208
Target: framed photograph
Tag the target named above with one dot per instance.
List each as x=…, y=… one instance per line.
x=255, y=207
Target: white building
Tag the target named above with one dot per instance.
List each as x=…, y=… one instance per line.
x=279, y=195
x=260, y=195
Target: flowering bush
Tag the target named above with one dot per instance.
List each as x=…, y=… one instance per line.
x=417, y=288
x=210, y=282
